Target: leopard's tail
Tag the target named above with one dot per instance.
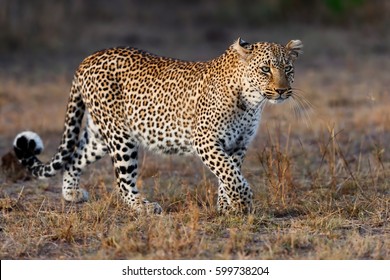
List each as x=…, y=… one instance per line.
x=27, y=144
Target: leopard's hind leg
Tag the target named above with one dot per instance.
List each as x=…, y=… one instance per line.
x=124, y=153
x=90, y=148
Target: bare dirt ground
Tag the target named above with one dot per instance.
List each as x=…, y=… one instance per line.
x=320, y=178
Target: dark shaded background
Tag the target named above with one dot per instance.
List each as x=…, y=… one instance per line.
x=42, y=40
x=67, y=27
x=63, y=24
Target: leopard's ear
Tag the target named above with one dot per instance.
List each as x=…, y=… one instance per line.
x=294, y=48
x=244, y=49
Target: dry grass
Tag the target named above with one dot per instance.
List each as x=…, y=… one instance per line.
x=321, y=184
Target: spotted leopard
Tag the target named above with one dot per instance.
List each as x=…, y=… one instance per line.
x=132, y=98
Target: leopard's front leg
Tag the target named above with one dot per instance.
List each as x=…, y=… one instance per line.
x=235, y=195
x=237, y=155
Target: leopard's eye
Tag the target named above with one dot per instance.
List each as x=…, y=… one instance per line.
x=265, y=69
x=288, y=69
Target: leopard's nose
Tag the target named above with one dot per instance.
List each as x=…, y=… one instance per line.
x=281, y=90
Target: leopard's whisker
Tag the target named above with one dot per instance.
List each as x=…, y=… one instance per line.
x=302, y=108
x=298, y=92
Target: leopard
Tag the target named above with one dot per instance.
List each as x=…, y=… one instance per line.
x=124, y=98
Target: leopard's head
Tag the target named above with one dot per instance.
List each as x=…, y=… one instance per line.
x=268, y=69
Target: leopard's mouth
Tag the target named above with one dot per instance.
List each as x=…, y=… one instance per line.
x=276, y=101
x=277, y=96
